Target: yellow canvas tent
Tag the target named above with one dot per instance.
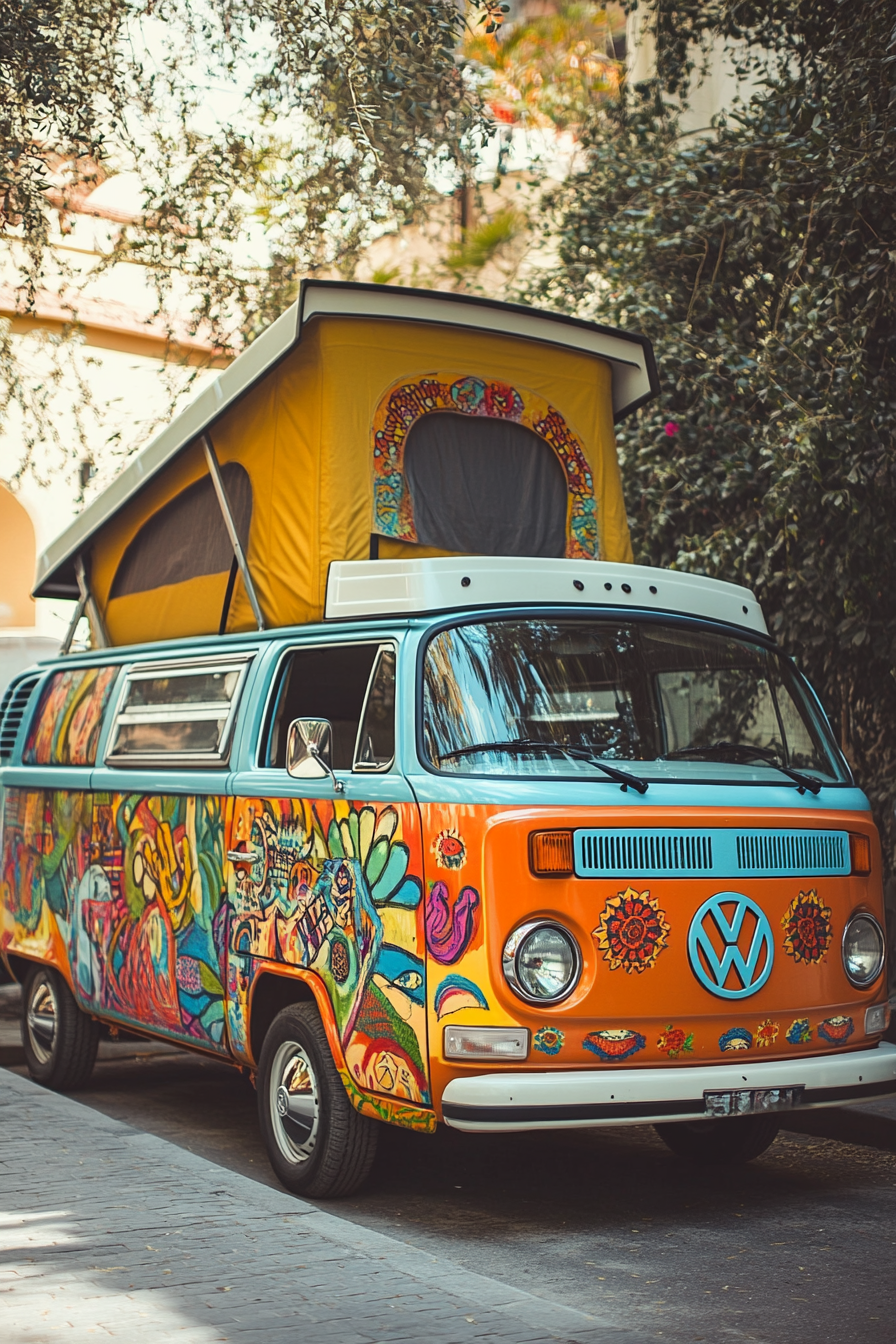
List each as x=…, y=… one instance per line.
x=368, y=421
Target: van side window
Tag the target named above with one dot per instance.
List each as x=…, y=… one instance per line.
x=376, y=741
x=178, y=713
x=339, y=683
x=65, y=726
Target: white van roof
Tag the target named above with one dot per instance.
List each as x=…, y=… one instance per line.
x=358, y=588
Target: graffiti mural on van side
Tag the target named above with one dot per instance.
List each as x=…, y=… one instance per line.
x=132, y=889
x=149, y=928
x=46, y=853
x=327, y=886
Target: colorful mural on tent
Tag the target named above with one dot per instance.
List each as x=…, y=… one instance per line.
x=463, y=394
x=328, y=886
x=65, y=727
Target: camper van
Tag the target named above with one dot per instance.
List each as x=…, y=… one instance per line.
x=392, y=780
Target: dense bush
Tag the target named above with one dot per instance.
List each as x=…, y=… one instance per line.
x=761, y=260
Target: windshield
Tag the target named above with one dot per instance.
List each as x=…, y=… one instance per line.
x=549, y=697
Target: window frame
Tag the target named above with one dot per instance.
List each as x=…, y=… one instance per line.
x=183, y=667
x=276, y=685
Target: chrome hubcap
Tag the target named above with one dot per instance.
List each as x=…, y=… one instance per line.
x=295, y=1109
x=41, y=1019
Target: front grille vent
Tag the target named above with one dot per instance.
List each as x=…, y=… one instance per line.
x=720, y=852
x=12, y=711
x=792, y=852
x=645, y=853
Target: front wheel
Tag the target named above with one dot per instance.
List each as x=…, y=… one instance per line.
x=60, y=1041
x=316, y=1141
x=739, y=1139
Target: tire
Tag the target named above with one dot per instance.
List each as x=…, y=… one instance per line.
x=316, y=1141
x=718, y=1142
x=60, y=1041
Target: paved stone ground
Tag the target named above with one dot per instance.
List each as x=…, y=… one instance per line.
x=106, y=1232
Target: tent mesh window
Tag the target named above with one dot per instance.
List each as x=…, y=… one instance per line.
x=485, y=485
x=186, y=538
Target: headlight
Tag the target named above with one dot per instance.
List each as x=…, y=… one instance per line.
x=542, y=962
x=863, y=950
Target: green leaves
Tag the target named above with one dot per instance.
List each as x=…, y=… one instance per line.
x=761, y=260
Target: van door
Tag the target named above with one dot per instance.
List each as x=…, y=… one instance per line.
x=327, y=870
x=151, y=946
x=48, y=812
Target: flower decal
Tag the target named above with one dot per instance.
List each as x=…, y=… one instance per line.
x=799, y=1031
x=674, y=1042
x=632, y=931
x=449, y=849
x=837, y=1030
x=549, y=1040
x=736, y=1038
x=614, y=1045
x=807, y=928
x=766, y=1033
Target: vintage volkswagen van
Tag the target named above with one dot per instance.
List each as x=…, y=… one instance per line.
x=508, y=841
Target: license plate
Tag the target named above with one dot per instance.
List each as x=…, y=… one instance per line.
x=752, y=1100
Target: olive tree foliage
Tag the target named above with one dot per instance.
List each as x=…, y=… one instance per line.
x=271, y=138
x=761, y=260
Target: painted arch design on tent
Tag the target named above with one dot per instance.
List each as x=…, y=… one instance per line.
x=557, y=507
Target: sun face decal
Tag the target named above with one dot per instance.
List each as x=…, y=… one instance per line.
x=449, y=849
x=632, y=931
x=807, y=928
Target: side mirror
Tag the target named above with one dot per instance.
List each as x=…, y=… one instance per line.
x=309, y=750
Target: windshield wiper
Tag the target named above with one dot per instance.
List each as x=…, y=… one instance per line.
x=518, y=746
x=740, y=753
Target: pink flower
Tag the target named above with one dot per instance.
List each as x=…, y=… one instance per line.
x=671, y=428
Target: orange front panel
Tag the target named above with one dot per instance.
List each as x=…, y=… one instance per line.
x=639, y=1002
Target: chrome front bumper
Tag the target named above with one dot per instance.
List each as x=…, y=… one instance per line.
x=496, y=1102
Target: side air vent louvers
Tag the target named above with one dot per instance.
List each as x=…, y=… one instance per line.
x=12, y=711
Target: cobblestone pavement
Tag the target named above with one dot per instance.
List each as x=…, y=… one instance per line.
x=107, y=1232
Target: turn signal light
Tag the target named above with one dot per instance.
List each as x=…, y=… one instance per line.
x=550, y=853
x=860, y=855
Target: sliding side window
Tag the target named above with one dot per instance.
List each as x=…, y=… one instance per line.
x=181, y=713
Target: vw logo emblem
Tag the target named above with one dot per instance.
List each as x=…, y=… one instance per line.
x=730, y=939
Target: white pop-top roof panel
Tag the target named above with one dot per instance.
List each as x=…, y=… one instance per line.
x=629, y=355
x=359, y=588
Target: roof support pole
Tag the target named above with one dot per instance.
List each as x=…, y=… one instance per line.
x=91, y=607
x=218, y=483
x=73, y=625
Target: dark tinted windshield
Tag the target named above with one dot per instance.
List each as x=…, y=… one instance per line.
x=694, y=703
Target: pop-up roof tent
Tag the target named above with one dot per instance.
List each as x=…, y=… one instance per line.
x=367, y=422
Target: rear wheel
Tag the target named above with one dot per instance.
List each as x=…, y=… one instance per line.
x=316, y=1141
x=739, y=1139
x=60, y=1041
